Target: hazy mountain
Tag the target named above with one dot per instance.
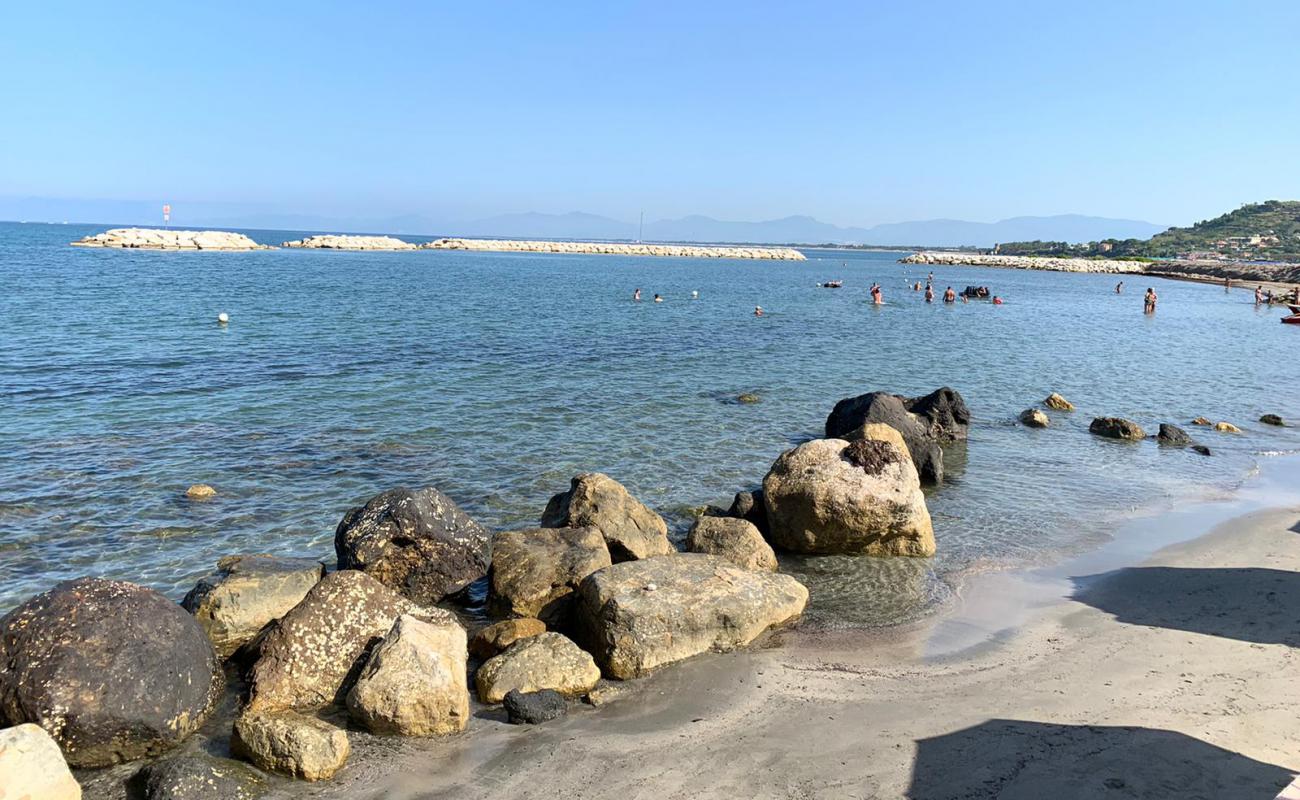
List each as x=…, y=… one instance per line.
x=578, y=225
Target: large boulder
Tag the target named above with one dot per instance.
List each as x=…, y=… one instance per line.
x=415, y=682
x=1116, y=428
x=535, y=572
x=496, y=637
x=114, y=671
x=32, y=768
x=833, y=496
x=245, y=593
x=735, y=540
x=749, y=506
x=923, y=445
x=198, y=776
x=307, y=658
x=631, y=530
x=944, y=412
x=640, y=615
x=417, y=542
x=291, y=744
x=545, y=661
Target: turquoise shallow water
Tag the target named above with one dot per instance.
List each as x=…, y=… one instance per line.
x=497, y=376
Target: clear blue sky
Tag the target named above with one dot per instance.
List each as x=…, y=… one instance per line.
x=853, y=112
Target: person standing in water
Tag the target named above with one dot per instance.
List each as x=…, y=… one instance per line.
x=758, y=311
x=877, y=296
x=949, y=296
x=1119, y=288
x=1259, y=295
x=1150, y=307
x=929, y=293
x=636, y=296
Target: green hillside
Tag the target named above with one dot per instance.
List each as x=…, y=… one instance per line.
x=1268, y=231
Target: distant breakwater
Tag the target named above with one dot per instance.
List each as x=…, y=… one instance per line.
x=1023, y=262
x=617, y=249
x=1205, y=271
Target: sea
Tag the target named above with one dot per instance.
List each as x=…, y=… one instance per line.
x=497, y=377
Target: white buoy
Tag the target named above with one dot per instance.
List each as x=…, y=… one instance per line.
x=223, y=318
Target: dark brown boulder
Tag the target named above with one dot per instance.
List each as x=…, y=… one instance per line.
x=918, y=432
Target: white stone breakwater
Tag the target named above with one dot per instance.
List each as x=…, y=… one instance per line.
x=617, y=249
x=1024, y=262
x=164, y=239
x=345, y=242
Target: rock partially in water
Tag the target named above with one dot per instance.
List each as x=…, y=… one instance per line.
x=113, y=670
x=198, y=776
x=1226, y=427
x=734, y=539
x=200, y=491
x=1173, y=436
x=852, y=413
x=330, y=241
x=1202, y=421
x=631, y=530
x=308, y=658
x=750, y=507
x=535, y=572
x=831, y=496
x=1272, y=419
x=159, y=239
x=533, y=708
x=1056, y=402
x=245, y=593
x=1200, y=448
x=545, y=661
x=640, y=615
x=417, y=542
x=945, y=412
x=1117, y=428
x=1034, y=418
x=415, y=682
x=32, y=768
x=497, y=637
x=291, y=744
x=748, y=398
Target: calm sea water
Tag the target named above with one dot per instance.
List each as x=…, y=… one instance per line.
x=496, y=377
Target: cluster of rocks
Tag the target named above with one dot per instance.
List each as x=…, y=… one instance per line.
x=617, y=249
x=100, y=672
x=1023, y=262
x=331, y=241
x=166, y=239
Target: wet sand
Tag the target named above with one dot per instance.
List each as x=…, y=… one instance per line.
x=1172, y=678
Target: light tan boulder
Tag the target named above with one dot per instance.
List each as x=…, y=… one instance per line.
x=245, y=593
x=544, y=661
x=631, y=530
x=861, y=497
x=497, y=637
x=200, y=491
x=535, y=572
x=1202, y=421
x=1058, y=403
x=1226, y=427
x=1034, y=418
x=32, y=766
x=736, y=540
x=640, y=615
x=415, y=682
x=291, y=744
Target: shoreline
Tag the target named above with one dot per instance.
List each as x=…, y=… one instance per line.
x=1113, y=653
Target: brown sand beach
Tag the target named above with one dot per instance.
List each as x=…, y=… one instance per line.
x=1126, y=673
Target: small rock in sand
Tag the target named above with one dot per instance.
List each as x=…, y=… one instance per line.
x=532, y=708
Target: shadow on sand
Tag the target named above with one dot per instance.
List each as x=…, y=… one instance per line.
x=1249, y=604
x=1016, y=760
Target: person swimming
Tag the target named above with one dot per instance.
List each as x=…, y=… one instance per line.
x=758, y=311
x=636, y=295
x=949, y=296
x=658, y=299
x=997, y=301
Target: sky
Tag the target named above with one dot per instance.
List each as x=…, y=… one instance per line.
x=856, y=113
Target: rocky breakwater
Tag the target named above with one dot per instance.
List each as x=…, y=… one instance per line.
x=1023, y=262
x=344, y=242
x=617, y=249
x=160, y=239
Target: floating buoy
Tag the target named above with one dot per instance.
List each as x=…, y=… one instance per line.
x=223, y=318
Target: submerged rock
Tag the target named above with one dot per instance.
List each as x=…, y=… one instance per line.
x=417, y=542
x=1202, y=449
x=736, y=540
x=414, y=683
x=749, y=506
x=1116, y=428
x=533, y=708
x=832, y=496
x=32, y=768
x=198, y=776
x=544, y=661
x=1226, y=427
x=245, y=593
x=640, y=615
x=114, y=671
x=1058, y=403
x=1173, y=436
x=307, y=658
x=631, y=530
x=1272, y=419
x=291, y=744
x=535, y=572
x=924, y=422
x=1033, y=418
x=748, y=398
x=497, y=637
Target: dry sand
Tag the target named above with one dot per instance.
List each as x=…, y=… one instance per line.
x=1176, y=678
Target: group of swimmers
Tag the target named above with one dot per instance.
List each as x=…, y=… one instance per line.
x=636, y=296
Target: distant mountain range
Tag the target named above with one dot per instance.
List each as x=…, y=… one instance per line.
x=578, y=225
